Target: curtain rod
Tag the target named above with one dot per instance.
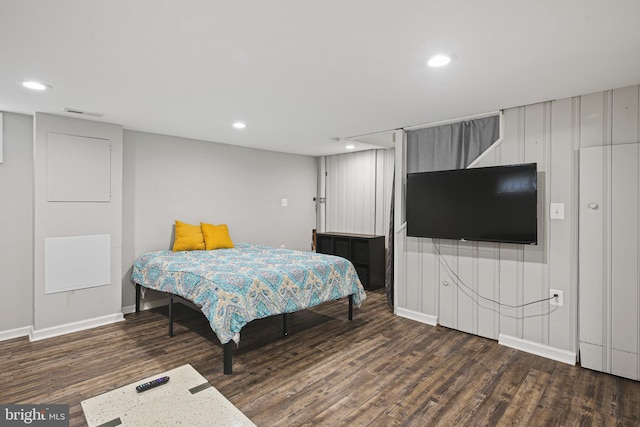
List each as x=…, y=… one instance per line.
x=456, y=120
x=432, y=124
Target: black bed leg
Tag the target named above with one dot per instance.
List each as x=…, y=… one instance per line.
x=170, y=315
x=285, y=331
x=350, y=307
x=228, y=357
x=137, y=298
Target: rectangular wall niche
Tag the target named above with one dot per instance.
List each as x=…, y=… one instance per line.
x=78, y=168
x=76, y=262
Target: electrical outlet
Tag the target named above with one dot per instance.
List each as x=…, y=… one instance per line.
x=559, y=300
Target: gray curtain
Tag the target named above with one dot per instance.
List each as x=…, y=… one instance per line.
x=452, y=146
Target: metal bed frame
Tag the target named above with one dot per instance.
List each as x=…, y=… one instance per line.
x=227, y=349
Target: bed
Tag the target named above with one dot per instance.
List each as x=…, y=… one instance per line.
x=234, y=286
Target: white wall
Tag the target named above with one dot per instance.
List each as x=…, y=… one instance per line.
x=16, y=226
x=550, y=134
x=168, y=178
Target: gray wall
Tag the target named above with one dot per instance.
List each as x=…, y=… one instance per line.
x=75, y=218
x=16, y=224
x=164, y=178
x=168, y=178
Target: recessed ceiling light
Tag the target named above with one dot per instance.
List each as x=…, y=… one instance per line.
x=438, y=61
x=350, y=147
x=34, y=85
x=239, y=125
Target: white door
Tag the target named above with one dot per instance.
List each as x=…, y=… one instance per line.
x=609, y=255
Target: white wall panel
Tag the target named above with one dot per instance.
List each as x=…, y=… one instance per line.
x=488, y=266
x=431, y=282
x=593, y=240
x=626, y=115
x=563, y=233
x=359, y=191
x=624, y=248
x=415, y=274
x=448, y=287
x=536, y=149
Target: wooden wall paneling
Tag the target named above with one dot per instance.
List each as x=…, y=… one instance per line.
x=343, y=187
x=331, y=206
x=367, y=188
x=624, y=260
x=488, y=267
x=625, y=127
x=625, y=296
x=348, y=189
x=414, y=275
x=380, y=176
x=431, y=272
x=562, y=169
x=467, y=288
x=593, y=111
x=448, y=288
x=511, y=256
x=351, y=192
x=384, y=184
x=535, y=281
x=594, y=278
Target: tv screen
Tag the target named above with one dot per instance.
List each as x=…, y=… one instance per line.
x=493, y=204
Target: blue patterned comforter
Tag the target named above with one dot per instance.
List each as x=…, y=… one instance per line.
x=235, y=286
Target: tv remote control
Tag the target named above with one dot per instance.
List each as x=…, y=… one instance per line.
x=152, y=384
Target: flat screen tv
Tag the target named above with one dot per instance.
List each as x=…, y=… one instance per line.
x=492, y=204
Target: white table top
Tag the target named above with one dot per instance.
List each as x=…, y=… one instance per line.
x=187, y=399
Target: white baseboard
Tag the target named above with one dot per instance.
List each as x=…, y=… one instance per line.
x=15, y=333
x=557, y=354
x=419, y=317
x=54, y=331
x=145, y=305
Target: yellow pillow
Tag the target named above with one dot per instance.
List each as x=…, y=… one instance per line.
x=216, y=236
x=188, y=237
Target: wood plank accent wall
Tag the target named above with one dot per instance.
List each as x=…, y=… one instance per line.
x=550, y=134
x=358, y=191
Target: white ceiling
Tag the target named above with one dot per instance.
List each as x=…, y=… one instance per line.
x=300, y=73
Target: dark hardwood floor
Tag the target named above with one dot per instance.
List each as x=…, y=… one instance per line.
x=378, y=370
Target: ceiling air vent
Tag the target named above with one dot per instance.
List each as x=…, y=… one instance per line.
x=82, y=113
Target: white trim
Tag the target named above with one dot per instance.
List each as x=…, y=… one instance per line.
x=448, y=122
x=557, y=354
x=54, y=331
x=418, y=317
x=15, y=333
x=145, y=306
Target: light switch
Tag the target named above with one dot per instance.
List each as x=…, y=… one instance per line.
x=557, y=211
x=285, y=202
